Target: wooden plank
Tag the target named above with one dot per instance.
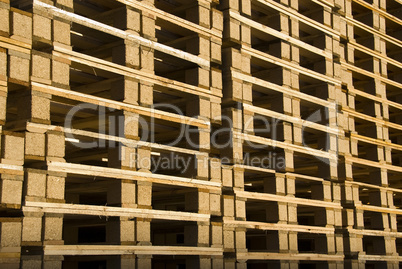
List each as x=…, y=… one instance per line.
x=281, y=89
x=11, y=169
x=375, y=233
x=80, y=169
x=366, y=185
x=254, y=225
x=379, y=258
x=95, y=250
x=255, y=169
x=379, y=209
x=288, y=256
x=286, y=199
x=56, y=12
x=109, y=211
x=291, y=119
x=285, y=145
x=278, y=34
x=145, y=111
x=299, y=176
x=133, y=73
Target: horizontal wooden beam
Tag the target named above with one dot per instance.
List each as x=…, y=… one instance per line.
x=253, y=225
x=109, y=211
x=80, y=169
x=285, y=145
x=288, y=256
x=95, y=250
x=286, y=199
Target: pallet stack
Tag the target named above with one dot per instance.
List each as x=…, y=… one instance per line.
x=200, y=134
x=372, y=80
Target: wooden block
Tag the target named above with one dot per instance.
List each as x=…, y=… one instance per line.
x=143, y=233
x=227, y=176
x=3, y=106
x=216, y=113
x=144, y=193
x=216, y=78
x=60, y=73
x=35, y=144
x=228, y=206
x=19, y=68
x=35, y=183
x=216, y=52
x=228, y=239
x=144, y=158
x=238, y=177
x=55, y=187
x=32, y=229
x=133, y=20
x=215, y=170
x=55, y=145
x=11, y=190
x=131, y=125
x=42, y=27
x=4, y=20
x=61, y=32
x=240, y=208
x=10, y=234
x=240, y=240
x=217, y=19
x=3, y=64
x=203, y=202
x=216, y=234
x=148, y=25
x=146, y=94
x=245, y=34
x=21, y=24
x=40, y=66
x=215, y=204
x=147, y=59
x=53, y=228
x=13, y=148
x=231, y=29
x=202, y=166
